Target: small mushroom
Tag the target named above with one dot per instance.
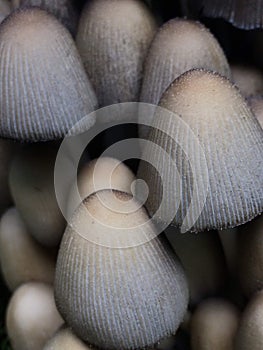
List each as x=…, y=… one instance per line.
x=64, y=10
x=65, y=339
x=113, y=39
x=215, y=148
x=214, y=325
x=44, y=89
x=250, y=331
x=250, y=256
x=118, y=284
x=100, y=174
x=32, y=317
x=22, y=258
x=203, y=260
x=31, y=182
x=178, y=46
x=248, y=79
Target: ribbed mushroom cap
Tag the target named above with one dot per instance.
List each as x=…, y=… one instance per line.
x=31, y=181
x=5, y=9
x=22, y=258
x=65, y=339
x=245, y=14
x=248, y=79
x=214, y=325
x=118, y=285
x=229, y=137
x=203, y=260
x=256, y=105
x=44, y=89
x=250, y=256
x=100, y=174
x=178, y=46
x=250, y=331
x=113, y=39
x=64, y=10
x=32, y=317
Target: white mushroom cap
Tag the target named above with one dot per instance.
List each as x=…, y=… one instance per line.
x=32, y=317
x=214, y=325
x=117, y=284
x=256, y=105
x=210, y=121
x=113, y=39
x=22, y=258
x=44, y=90
x=65, y=339
x=99, y=174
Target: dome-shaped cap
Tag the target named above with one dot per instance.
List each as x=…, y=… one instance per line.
x=44, y=89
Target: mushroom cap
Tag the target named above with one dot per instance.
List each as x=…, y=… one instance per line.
x=31, y=182
x=64, y=10
x=245, y=14
x=129, y=290
x=214, y=325
x=44, y=89
x=178, y=46
x=65, y=339
x=248, y=79
x=32, y=317
x=250, y=256
x=99, y=174
x=113, y=39
x=249, y=334
x=217, y=127
x=22, y=258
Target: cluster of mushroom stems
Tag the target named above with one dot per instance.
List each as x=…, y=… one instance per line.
x=105, y=278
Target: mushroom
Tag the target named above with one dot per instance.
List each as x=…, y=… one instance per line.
x=214, y=325
x=22, y=258
x=203, y=260
x=178, y=46
x=32, y=317
x=256, y=105
x=41, y=71
x=248, y=79
x=64, y=10
x=118, y=284
x=99, y=174
x=214, y=176
x=250, y=256
x=113, y=39
x=65, y=339
x=250, y=331
x=31, y=182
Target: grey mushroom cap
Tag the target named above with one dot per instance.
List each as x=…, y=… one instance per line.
x=44, y=90
x=218, y=128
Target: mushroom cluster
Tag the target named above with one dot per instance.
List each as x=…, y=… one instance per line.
x=163, y=252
